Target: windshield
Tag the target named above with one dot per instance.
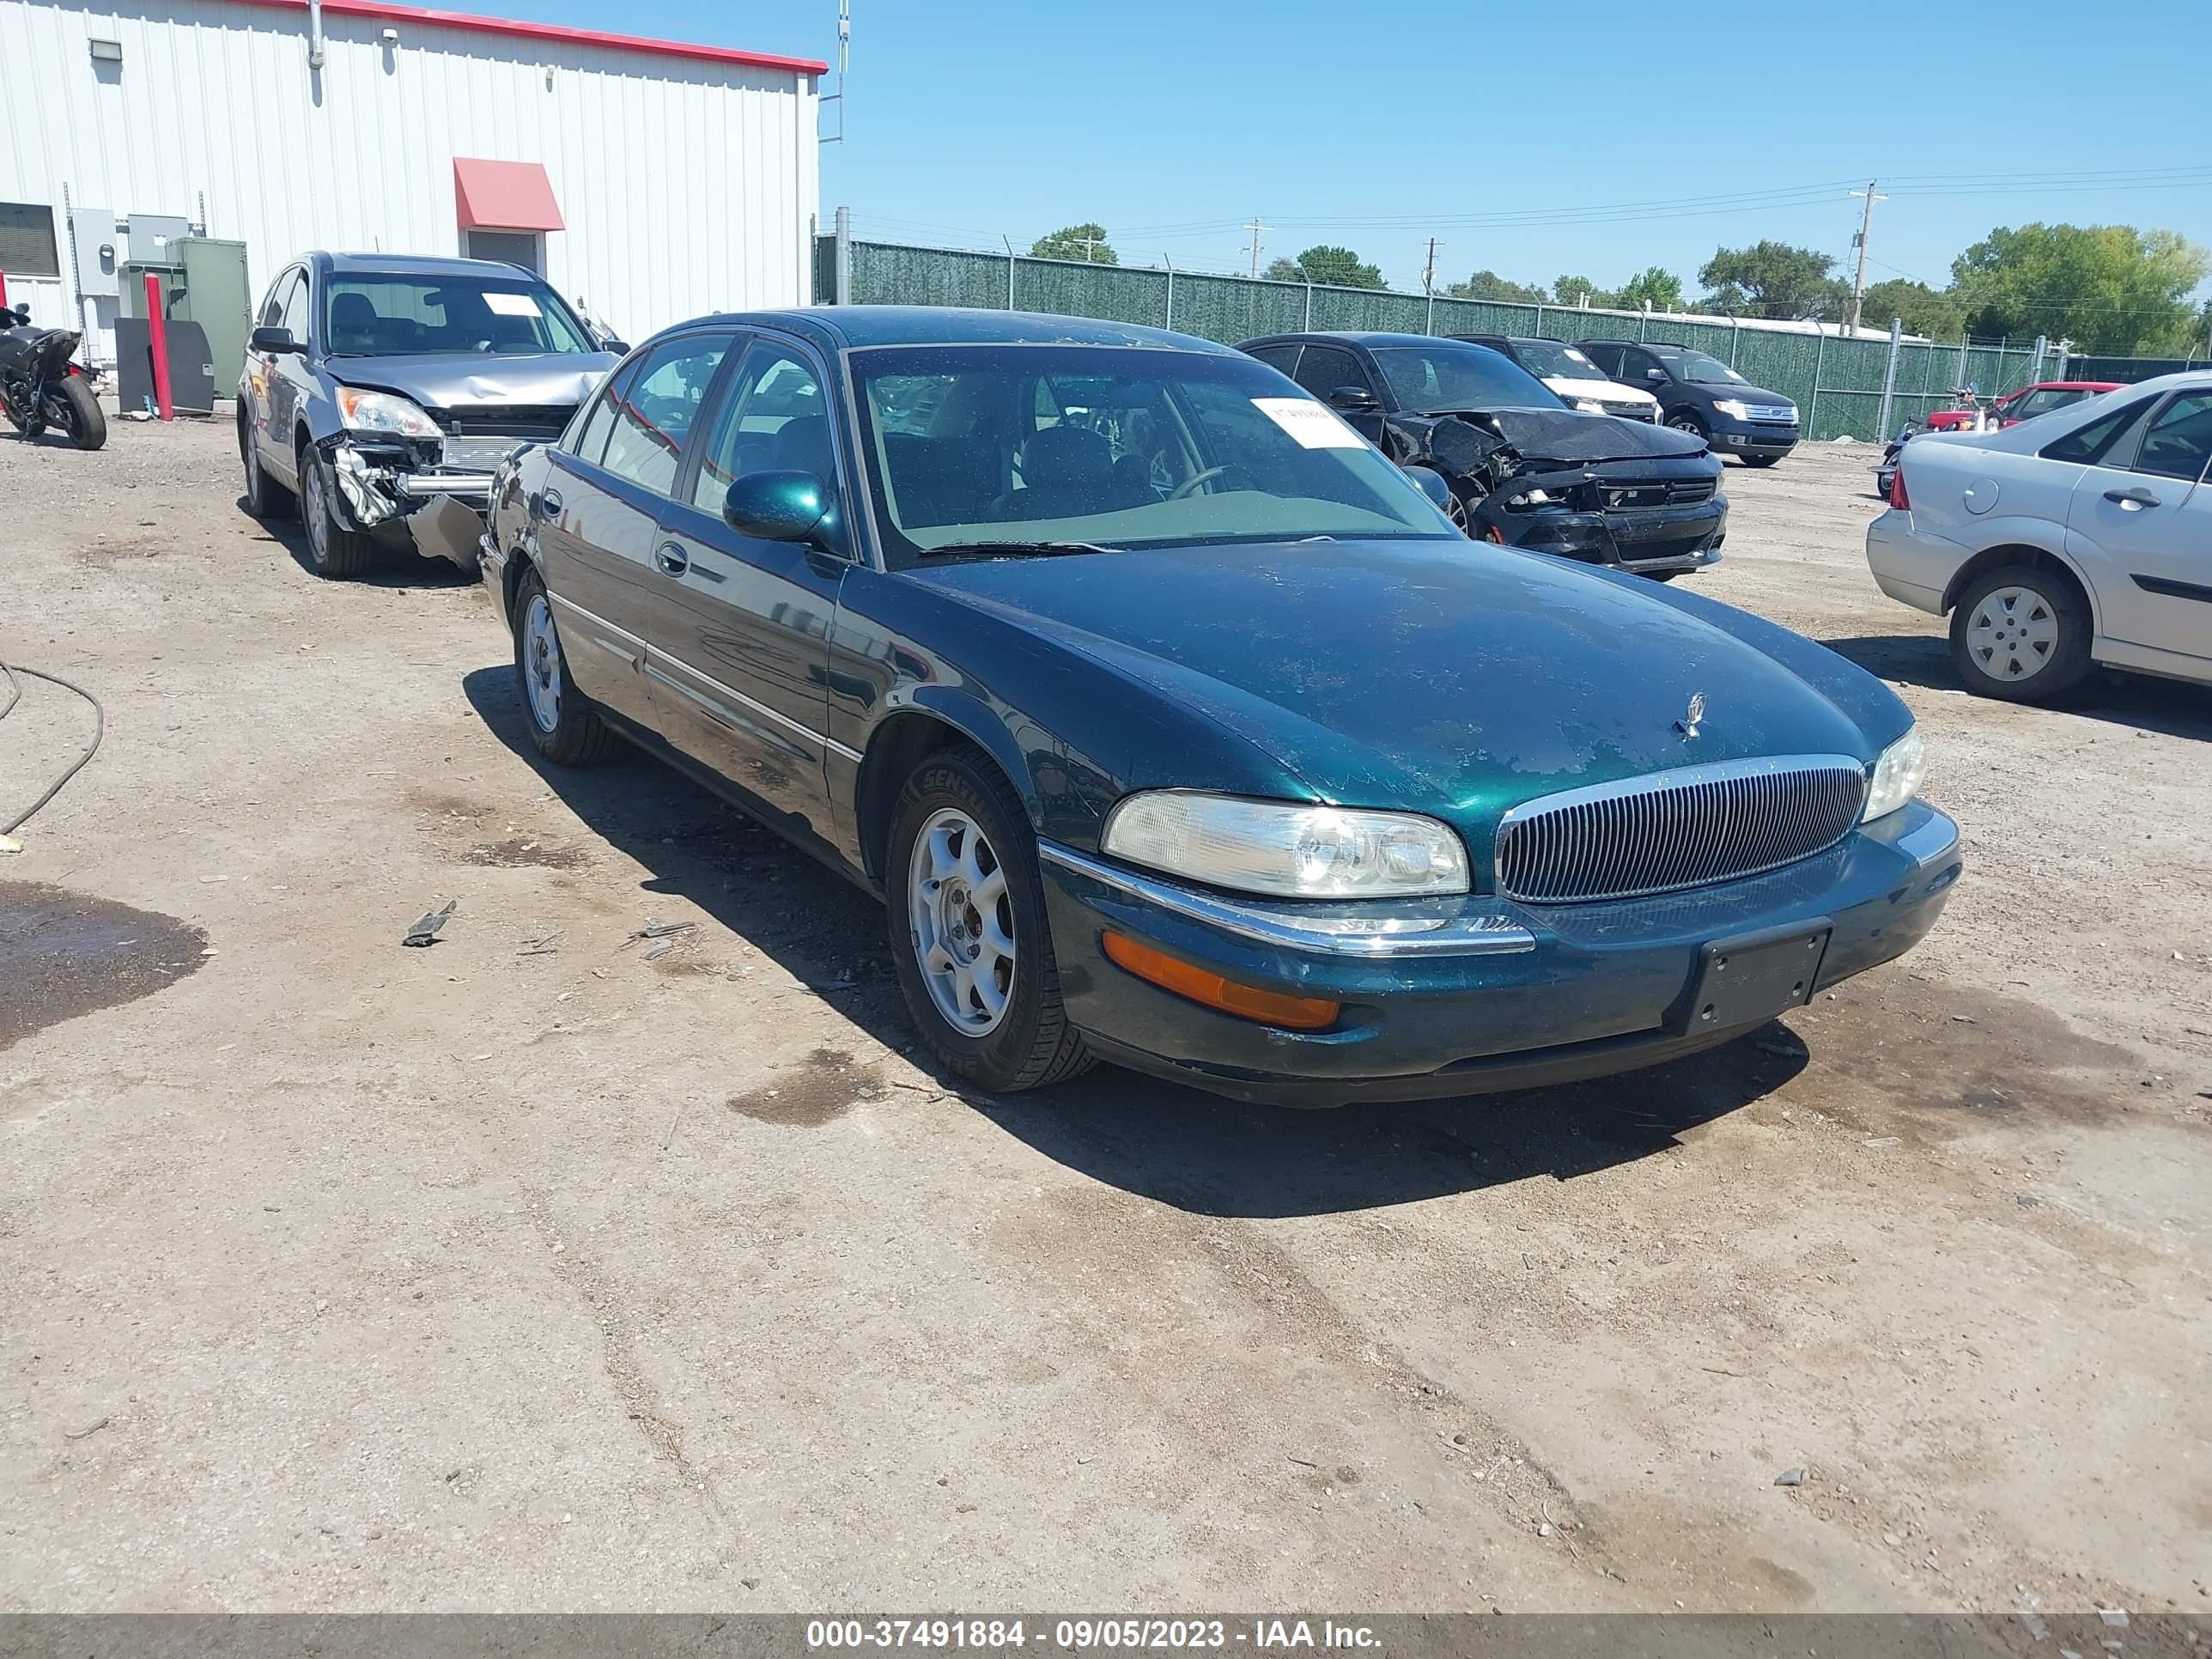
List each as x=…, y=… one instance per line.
x=1118, y=445
x=1431, y=379
x=412, y=316
x=1554, y=360
x=1701, y=370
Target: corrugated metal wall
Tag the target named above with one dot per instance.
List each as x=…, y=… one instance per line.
x=687, y=186
x=1836, y=383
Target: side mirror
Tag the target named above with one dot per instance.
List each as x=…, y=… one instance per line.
x=274, y=340
x=1656, y=376
x=614, y=347
x=1432, y=485
x=777, y=506
x=1354, y=398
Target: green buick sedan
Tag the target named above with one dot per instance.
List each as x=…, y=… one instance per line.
x=1175, y=727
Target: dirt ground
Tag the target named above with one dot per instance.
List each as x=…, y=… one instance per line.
x=537, y=1270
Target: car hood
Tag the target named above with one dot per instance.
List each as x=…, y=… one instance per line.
x=1446, y=677
x=1742, y=390
x=454, y=382
x=1603, y=392
x=1569, y=435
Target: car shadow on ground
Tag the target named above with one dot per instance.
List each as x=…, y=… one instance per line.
x=397, y=563
x=1176, y=1146
x=2170, y=706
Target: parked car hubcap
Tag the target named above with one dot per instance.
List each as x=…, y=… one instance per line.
x=2012, y=633
x=541, y=664
x=318, y=516
x=963, y=922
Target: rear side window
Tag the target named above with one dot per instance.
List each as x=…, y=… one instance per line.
x=2179, y=440
x=592, y=432
x=1283, y=359
x=2086, y=446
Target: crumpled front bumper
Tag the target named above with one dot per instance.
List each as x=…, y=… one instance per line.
x=1473, y=995
x=377, y=484
x=1650, y=541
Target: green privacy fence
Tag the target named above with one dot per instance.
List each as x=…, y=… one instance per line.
x=1837, y=384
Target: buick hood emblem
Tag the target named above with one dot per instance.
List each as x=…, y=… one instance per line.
x=1687, y=726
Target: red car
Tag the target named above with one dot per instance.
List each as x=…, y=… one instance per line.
x=2014, y=407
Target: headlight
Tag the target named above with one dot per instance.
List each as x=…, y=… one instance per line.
x=1897, y=777
x=1286, y=849
x=1530, y=498
x=1733, y=408
x=1789, y=413
x=384, y=412
x=1588, y=407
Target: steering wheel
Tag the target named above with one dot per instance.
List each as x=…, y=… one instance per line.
x=1195, y=479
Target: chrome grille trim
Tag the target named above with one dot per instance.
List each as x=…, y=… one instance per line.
x=1667, y=831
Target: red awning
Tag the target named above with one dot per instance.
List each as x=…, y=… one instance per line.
x=505, y=196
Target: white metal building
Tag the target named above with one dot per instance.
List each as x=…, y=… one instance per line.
x=650, y=180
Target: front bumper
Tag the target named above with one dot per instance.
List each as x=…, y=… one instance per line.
x=1910, y=565
x=1750, y=440
x=1648, y=541
x=1470, y=996
x=378, y=483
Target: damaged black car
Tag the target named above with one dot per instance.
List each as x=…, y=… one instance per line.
x=1520, y=467
x=380, y=392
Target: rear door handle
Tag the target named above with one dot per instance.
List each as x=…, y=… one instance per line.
x=2131, y=497
x=672, y=559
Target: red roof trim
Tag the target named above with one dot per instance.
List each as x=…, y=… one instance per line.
x=553, y=32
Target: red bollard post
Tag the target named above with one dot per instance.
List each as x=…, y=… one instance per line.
x=3, y=290
x=157, y=340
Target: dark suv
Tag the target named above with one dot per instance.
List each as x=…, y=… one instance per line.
x=1698, y=393
x=1522, y=468
x=379, y=388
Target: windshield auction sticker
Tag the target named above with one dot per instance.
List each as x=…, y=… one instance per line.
x=511, y=305
x=1312, y=424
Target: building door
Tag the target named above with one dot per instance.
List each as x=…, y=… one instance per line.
x=526, y=248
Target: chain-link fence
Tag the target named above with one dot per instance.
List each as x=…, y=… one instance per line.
x=1842, y=387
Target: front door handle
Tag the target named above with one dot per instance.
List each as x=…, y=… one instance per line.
x=2133, y=496
x=672, y=559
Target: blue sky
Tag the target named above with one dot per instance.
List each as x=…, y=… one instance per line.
x=1532, y=140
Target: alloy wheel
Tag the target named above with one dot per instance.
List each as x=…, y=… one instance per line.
x=962, y=920
x=318, y=513
x=2012, y=633
x=541, y=664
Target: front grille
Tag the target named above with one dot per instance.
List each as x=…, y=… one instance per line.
x=1672, y=830
x=1683, y=492
x=1771, y=414
x=1646, y=412
x=541, y=422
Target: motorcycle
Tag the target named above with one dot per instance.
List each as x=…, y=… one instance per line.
x=1885, y=475
x=41, y=387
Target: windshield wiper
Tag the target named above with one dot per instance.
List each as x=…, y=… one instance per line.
x=1014, y=548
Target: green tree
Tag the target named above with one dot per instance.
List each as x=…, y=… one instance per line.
x=1489, y=285
x=1773, y=279
x=1084, y=242
x=2109, y=289
x=1577, y=290
x=1932, y=311
x=1654, y=286
x=1338, y=267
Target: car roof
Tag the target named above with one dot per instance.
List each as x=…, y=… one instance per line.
x=841, y=328
x=1352, y=337
x=411, y=264
x=2075, y=385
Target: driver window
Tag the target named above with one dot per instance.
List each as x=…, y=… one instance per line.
x=1324, y=369
x=2179, y=442
x=771, y=421
x=294, y=316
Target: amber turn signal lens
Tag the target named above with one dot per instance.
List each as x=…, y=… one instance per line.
x=1245, y=1001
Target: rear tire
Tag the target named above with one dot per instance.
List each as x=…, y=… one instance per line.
x=563, y=722
x=961, y=881
x=265, y=497
x=79, y=414
x=2020, y=634
x=335, y=552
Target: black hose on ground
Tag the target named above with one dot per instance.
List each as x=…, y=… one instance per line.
x=99, y=731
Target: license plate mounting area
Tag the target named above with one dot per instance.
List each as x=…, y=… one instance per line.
x=1755, y=976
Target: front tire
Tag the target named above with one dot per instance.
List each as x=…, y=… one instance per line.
x=969, y=937
x=336, y=552
x=563, y=722
x=1687, y=420
x=2020, y=634
x=77, y=412
x=1760, y=460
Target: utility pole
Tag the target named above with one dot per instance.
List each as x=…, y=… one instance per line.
x=1089, y=242
x=1256, y=227
x=1866, y=226
x=1429, y=271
